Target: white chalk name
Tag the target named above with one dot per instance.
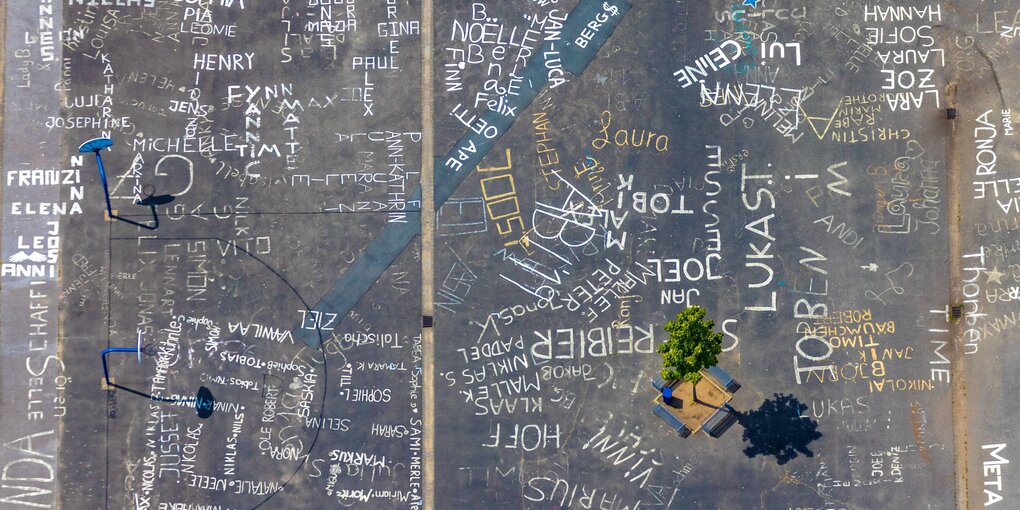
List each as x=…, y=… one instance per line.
x=715, y=60
x=993, y=472
x=227, y=62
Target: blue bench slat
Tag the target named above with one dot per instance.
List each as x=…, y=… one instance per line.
x=676, y=423
x=719, y=421
x=722, y=378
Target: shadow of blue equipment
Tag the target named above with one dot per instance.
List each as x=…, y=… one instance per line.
x=95, y=146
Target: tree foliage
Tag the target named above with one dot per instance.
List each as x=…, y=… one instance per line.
x=692, y=345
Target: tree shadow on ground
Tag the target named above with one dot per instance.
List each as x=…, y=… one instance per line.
x=777, y=429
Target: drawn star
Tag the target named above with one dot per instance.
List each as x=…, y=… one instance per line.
x=601, y=79
x=752, y=3
x=994, y=275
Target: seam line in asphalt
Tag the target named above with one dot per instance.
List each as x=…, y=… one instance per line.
x=428, y=216
x=957, y=384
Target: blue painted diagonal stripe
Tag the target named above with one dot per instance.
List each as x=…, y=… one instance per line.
x=461, y=160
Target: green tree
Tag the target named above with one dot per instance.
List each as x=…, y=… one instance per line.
x=692, y=345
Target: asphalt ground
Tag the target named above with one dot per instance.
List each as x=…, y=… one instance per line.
x=587, y=187
x=580, y=430
x=987, y=256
